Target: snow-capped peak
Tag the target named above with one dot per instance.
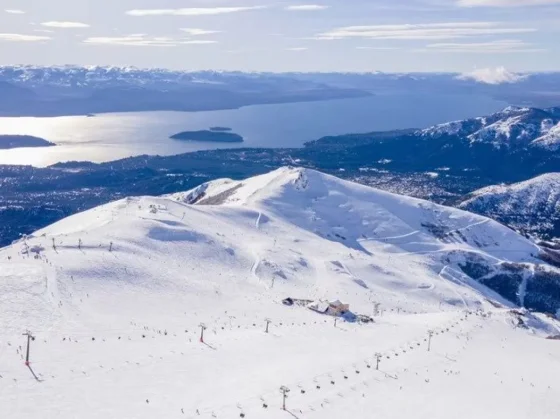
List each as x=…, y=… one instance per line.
x=513, y=126
x=532, y=206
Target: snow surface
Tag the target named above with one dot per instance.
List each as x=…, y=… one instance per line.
x=115, y=297
x=532, y=193
x=511, y=126
x=531, y=197
x=551, y=137
x=532, y=205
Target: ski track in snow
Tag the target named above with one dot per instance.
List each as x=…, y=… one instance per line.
x=258, y=221
x=389, y=238
x=255, y=265
x=470, y=226
x=452, y=288
x=522, y=291
x=256, y=256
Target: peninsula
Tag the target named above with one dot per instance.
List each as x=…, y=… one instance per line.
x=17, y=141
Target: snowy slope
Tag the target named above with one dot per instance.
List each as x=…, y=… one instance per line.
x=115, y=296
x=532, y=206
x=512, y=127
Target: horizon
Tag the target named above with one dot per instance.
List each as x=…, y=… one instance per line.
x=233, y=70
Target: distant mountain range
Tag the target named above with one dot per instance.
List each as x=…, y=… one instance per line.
x=73, y=90
x=539, y=90
x=69, y=90
x=531, y=207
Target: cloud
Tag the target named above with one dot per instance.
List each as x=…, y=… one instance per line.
x=297, y=49
x=141, y=40
x=15, y=11
x=65, y=25
x=497, y=75
x=198, y=42
x=194, y=11
x=493, y=47
x=197, y=32
x=306, y=8
x=16, y=37
x=423, y=31
x=378, y=48
x=505, y=3
x=43, y=30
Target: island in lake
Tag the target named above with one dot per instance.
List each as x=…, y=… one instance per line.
x=223, y=129
x=17, y=141
x=209, y=136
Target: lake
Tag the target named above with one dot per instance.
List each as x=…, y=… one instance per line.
x=107, y=137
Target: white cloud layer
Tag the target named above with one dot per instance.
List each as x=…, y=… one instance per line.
x=306, y=7
x=425, y=31
x=297, y=49
x=194, y=11
x=15, y=11
x=65, y=25
x=491, y=47
x=377, y=48
x=497, y=75
x=505, y=3
x=16, y=37
x=198, y=32
x=142, y=40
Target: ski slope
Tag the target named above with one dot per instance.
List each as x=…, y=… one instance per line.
x=115, y=297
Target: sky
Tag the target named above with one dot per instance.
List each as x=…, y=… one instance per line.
x=290, y=35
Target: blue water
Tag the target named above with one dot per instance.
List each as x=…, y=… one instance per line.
x=113, y=136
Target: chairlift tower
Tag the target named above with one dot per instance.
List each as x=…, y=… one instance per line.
x=284, y=390
x=268, y=321
x=30, y=338
x=430, y=334
x=378, y=358
x=202, y=329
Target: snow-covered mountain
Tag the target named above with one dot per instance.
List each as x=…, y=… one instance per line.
x=512, y=127
x=508, y=146
x=115, y=297
x=532, y=206
x=75, y=90
x=106, y=76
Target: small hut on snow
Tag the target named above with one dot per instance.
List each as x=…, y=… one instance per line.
x=333, y=308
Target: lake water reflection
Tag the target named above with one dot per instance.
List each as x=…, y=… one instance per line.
x=109, y=137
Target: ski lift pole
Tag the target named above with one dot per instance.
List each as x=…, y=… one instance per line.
x=378, y=358
x=268, y=321
x=202, y=329
x=284, y=390
x=430, y=334
x=30, y=337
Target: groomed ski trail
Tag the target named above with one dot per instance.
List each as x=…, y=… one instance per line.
x=256, y=256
